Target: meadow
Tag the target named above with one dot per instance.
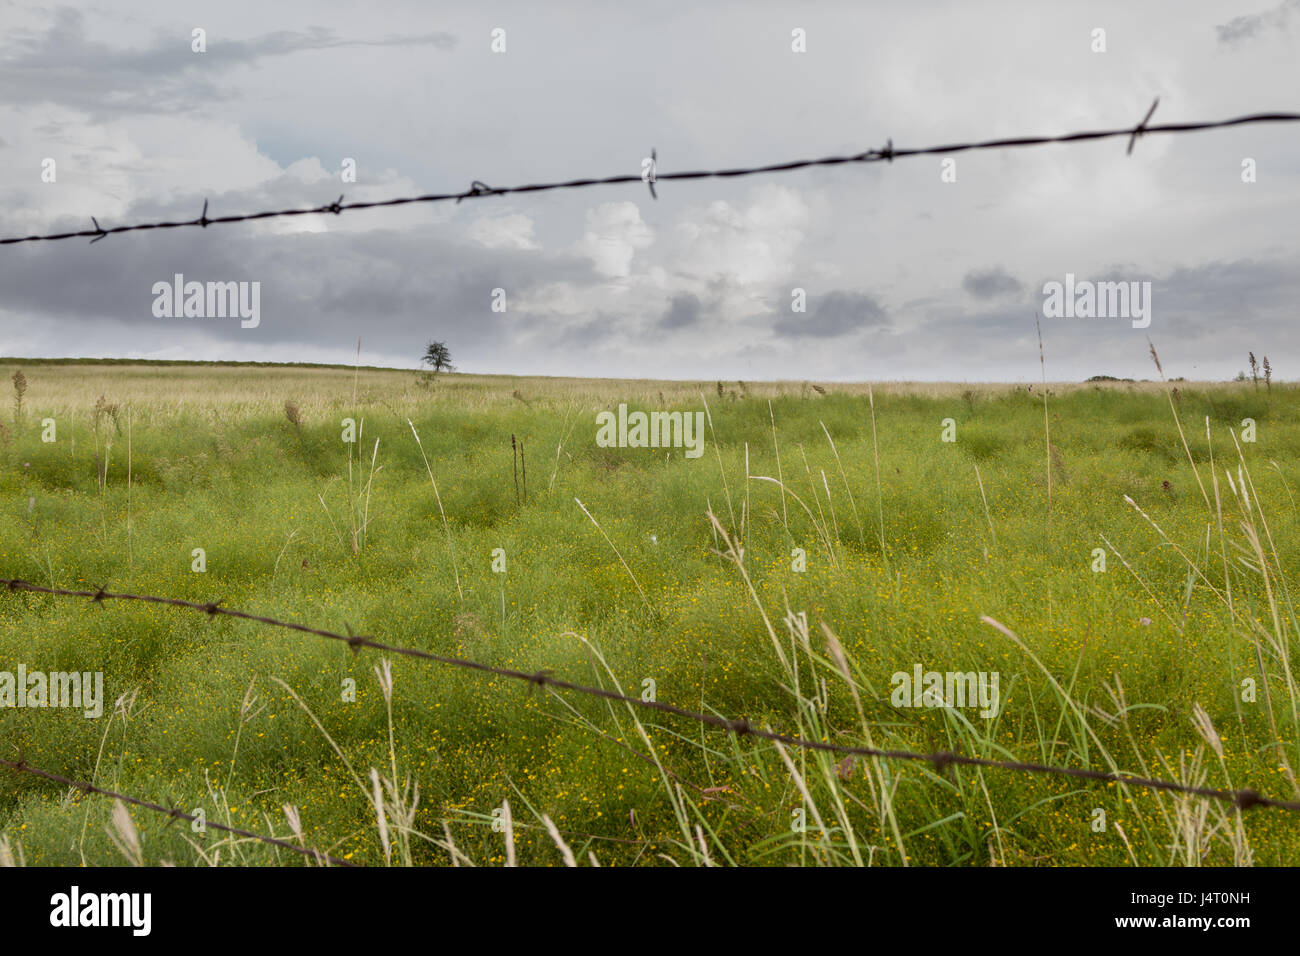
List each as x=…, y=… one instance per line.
x=1135, y=542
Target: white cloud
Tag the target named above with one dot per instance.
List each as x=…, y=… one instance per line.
x=615, y=232
x=750, y=245
x=511, y=231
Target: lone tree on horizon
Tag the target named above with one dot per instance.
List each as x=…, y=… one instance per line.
x=439, y=356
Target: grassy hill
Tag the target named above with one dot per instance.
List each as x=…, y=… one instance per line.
x=860, y=532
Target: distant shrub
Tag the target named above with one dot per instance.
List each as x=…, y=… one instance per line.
x=106, y=409
x=1144, y=441
x=20, y=386
x=980, y=444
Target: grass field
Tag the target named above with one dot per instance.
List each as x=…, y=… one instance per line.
x=1189, y=626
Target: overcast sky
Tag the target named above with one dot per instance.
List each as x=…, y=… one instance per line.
x=906, y=276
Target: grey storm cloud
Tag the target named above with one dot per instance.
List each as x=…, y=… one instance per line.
x=834, y=314
x=580, y=334
x=1244, y=302
x=1210, y=298
x=1251, y=25
x=683, y=312
x=1250, y=300
x=393, y=288
x=62, y=65
x=992, y=283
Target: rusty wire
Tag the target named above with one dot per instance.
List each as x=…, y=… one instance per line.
x=479, y=190
x=22, y=766
x=1242, y=799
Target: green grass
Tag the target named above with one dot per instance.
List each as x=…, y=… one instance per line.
x=205, y=722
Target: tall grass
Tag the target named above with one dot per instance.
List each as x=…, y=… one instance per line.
x=422, y=766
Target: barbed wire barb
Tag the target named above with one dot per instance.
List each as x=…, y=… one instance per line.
x=1141, y=127
x=476, y=188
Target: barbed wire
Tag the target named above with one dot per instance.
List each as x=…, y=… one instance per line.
x=479, y=190
x=23, y=766
x=1243, y=799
